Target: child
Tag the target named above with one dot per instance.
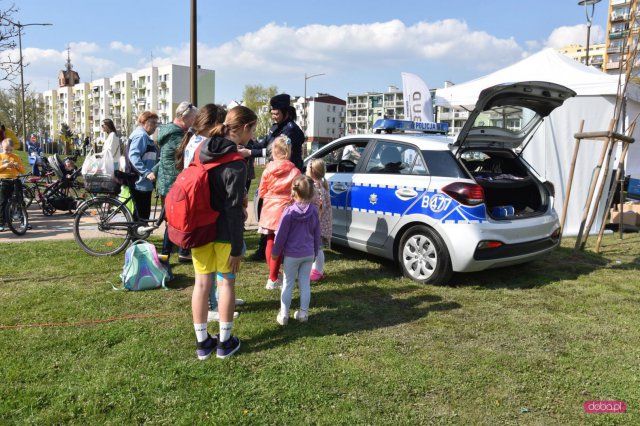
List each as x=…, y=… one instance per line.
x=275, y=190
x=10, y=168
x=219, y=260
x=322, y=200
x=298, y=238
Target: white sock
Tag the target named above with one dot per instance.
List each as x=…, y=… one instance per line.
x=201, y=332
x=225, y=330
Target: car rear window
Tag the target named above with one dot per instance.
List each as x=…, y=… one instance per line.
x=443, y=163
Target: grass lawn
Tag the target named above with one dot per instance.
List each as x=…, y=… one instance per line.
x=522, y=345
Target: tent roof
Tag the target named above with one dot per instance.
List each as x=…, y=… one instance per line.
x=546, y=65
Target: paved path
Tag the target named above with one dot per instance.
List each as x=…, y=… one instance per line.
x=59, y=226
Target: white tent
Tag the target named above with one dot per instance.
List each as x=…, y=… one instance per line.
x=551, y=149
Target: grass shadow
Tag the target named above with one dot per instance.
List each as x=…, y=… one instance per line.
x=351, y=310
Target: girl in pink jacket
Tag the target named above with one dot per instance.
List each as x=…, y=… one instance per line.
x=275, y=191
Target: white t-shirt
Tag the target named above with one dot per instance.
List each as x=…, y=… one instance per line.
x=192, y=146
x=112, y=145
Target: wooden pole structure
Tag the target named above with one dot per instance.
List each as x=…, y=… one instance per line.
x=612, y=191
x=594, y=181
x=611, y=143
x=570, y=182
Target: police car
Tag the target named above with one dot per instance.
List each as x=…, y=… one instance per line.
x=437, y=205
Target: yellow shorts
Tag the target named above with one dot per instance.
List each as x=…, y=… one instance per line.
x=211, y=257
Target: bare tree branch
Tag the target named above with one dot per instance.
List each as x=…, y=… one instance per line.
x=9, y=64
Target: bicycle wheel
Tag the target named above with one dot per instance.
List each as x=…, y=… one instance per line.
x=101, y=226
x=28, y=195
x=16, y=217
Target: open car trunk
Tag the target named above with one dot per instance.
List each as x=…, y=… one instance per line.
x=511, y=190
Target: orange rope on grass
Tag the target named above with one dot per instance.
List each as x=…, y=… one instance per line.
x=87, y=322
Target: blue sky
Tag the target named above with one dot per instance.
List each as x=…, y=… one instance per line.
x=359, y=45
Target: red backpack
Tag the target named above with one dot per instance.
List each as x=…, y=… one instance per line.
x=190, y=219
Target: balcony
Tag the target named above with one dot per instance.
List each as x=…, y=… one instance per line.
x=596, y=60
x=618, y=2
x=618, y=34
x=615, y=17
x=162, y=84
x=614, y=49
x=351, y=119
x=362, y=105
x=361, y=119
x=612, y=65
x=141, y=100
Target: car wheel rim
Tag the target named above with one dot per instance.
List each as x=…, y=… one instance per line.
x=419, y=257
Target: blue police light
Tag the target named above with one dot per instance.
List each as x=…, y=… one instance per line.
x=390, y=126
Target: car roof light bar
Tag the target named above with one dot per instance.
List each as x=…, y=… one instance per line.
x=390, y=126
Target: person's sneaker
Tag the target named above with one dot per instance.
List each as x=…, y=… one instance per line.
x=316, y=275
x=205, y=348
x=228, y=348
x=239, y=302
x=215, y=316
x=273, y=285
x=257, y=256
x=282, y=319
x=301, y=316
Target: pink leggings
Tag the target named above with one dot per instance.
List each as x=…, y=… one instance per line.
x=274, y=266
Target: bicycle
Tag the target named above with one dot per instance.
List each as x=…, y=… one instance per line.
x=104, y=225
x=15, y=212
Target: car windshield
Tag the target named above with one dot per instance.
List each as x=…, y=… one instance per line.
x=512, y=118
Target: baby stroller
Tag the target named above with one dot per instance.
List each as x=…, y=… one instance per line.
x=61, y=193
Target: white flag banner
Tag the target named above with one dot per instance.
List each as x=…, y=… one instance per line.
x=417, y=99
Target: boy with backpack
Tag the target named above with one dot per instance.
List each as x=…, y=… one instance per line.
x=216, y=242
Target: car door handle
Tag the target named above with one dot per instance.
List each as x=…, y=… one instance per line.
x=406, y=194
x=338, y=187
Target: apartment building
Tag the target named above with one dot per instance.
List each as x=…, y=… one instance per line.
x=362, y=110
x=578, y=52
x=321, y=118
x=121, y=98
x=620, y=34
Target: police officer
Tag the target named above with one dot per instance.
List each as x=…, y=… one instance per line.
x=283, y=116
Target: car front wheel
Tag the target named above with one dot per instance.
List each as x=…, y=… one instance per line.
x=424, y=257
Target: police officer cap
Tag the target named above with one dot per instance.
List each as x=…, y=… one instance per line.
x=281, y=101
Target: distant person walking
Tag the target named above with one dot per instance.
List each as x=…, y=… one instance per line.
x=298, y=238
x=112, y=143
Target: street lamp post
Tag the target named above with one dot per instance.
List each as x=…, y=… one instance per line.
x=24, y=120
x=307, y=77
x=589, y=16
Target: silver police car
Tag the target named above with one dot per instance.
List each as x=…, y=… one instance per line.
x=436, y=205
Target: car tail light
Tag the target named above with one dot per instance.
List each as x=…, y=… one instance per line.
x=550, y=188
x=465, y=193
x=484, y=245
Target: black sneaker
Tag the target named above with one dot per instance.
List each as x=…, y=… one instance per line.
x=257, y=256
x=228, y=348
x=206, y=347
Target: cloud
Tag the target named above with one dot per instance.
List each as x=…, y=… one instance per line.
x=83, y=47
x=122, y=47
x=577, y=34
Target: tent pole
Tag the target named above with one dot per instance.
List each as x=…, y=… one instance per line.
x=592, y=188
x=570, y=182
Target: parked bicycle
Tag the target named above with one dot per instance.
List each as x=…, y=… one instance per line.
x=104, y=225
x=15, y=212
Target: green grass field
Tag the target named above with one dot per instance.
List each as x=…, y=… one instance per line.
x=522, y=345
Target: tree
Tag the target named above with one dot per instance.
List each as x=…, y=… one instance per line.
x=256, y=97
x=11, y=110
x=9, y=64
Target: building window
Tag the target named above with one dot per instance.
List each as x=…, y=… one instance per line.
x=327, y=119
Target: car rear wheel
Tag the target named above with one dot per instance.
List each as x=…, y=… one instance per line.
x=424, y=257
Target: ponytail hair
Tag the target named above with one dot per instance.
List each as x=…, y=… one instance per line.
x=206, y=118
x=236, y=118
x=302, y=188
x=317, y=169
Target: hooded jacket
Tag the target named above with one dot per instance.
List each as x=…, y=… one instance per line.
x=288, y=128
x=299, y=232
x=169, y=138
x=275, y=191
x=227, y=187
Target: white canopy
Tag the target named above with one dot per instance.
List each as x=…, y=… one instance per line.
x=551, y=149
x=546, y=65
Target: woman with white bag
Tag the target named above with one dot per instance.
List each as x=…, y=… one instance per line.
x=112, y=144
